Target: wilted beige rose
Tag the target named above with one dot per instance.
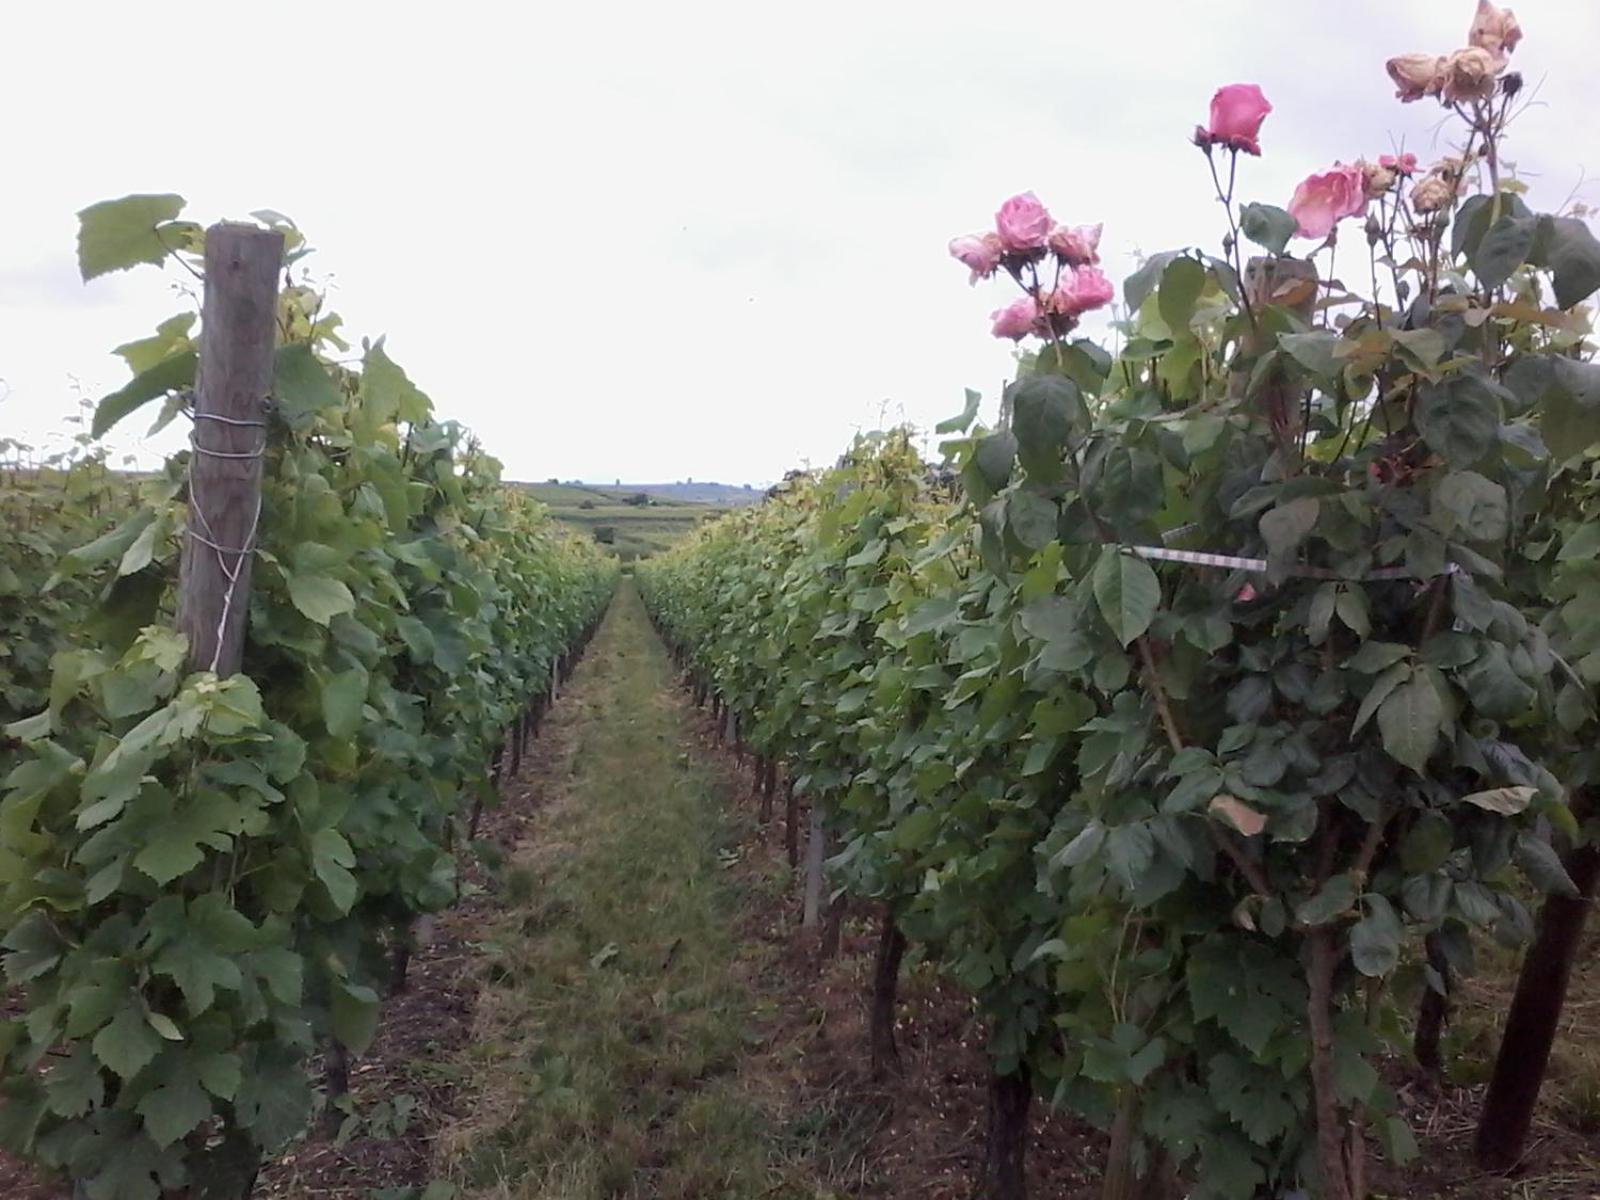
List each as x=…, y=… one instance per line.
x=1432, y=193
x=1496, y=31
x=1416, y=75
x=1377, y=178
x=1469, y=75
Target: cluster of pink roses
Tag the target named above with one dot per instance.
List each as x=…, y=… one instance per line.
x=1324, y=199
x=1024, y=236
x=1469, y=74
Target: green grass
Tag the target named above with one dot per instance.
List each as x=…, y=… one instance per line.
x=614, y=1048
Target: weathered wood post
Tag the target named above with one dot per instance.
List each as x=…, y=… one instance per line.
x=237, y=338
x=816, y=851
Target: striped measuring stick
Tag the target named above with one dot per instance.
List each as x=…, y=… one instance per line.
x=1258, y=566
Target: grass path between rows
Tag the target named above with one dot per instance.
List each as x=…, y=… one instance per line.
x=613, y=1047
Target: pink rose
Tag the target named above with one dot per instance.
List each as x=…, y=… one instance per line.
x=1400, y=164
x=1469, y=75
x=1416, y=75
x=1236, y=115
x=1322, y=201
x=1496, y=31
x=1016, y=320
x=1082, y=290
x=980, y=252
x=1023, y=223
x=1077, y=246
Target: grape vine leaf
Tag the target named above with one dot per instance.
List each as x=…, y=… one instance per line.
x=175, y=1108
x=127, y=1044
x=117, y=234
x=168, y=375
x=320, y=597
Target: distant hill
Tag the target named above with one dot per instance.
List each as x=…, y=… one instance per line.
x=724, y=495
x=638, y=520
x=728, y=494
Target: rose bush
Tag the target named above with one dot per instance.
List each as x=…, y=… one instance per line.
x=1245, y=691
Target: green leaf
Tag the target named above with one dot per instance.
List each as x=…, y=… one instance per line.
x=170, y=336
x=274, y=1101
x=1182, y=282
x=1257, y=1098
x=128, y=1044
x=1375, y=939
x=1410, y=719
x=117, y=234
x=1460, y=418
x=74, y=1084
x=331, y=860
x=1138, y=286
x=1377, y=656
x=1476, y=505
x=1315, y=351
x=1267, y=226
x=1427, y=844
x=197, y=970
x=343, y=698
x=1543, y=866
x=1127, y=593
x=962, y=420
x=129, y=1173
x=320, y=597
x=301, y=385
x=1337, y=897
x=990, y=466
x=354, y=1014
x=1285, y=526
x=1507, y=801
x=175, y=1109
x=931, y=615
x=1569, y=248
x=1504, y=248
x=1382, y=688
x=1044, y=411
x=168, y=375
x=34, y=947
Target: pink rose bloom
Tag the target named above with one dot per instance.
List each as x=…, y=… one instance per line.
x=979, y=252
x=1400, y=164
x=1495, y=30
x=1077, y=246
x=1322, y=201
x=1023, y=223
x=1416, y=75
x=1016, y=320
x=1236, y=115
x=1081, y=291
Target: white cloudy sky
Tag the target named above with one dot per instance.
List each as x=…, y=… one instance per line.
x=657, y=241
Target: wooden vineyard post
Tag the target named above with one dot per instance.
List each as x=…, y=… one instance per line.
x=1533, y=1019
x=237, y=339
x=816, y=851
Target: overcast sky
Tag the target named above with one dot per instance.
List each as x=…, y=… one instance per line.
x=656, y=241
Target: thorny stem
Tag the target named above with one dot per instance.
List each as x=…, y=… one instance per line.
x=1225, y=197
x=1247, y=867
